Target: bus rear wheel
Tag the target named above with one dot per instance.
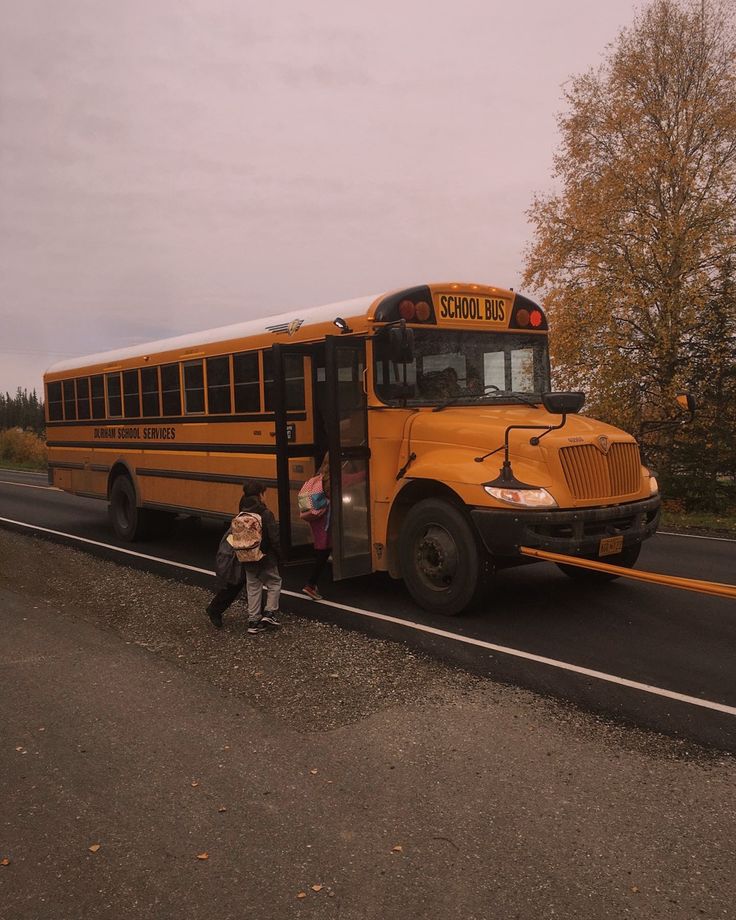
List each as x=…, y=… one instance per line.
x=129, y=522
x=626, y=559
x=439, y=557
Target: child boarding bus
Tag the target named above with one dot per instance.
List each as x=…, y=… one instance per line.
x=447, y=449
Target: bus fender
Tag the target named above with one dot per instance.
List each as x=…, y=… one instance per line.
x=408, y=492
x=120, y=468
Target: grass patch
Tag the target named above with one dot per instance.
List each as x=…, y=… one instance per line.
x=699, y=521
x=22, y=450
x=34, y=466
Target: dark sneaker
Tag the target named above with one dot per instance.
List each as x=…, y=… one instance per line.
x=312, y=592
x=215, y=618
x=269, y=619
x=258, y=626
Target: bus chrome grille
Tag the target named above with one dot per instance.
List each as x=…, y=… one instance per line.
x=592, y=474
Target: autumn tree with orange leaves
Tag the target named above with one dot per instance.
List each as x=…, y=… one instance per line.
x=633, y=255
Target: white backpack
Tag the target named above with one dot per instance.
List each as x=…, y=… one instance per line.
x=246, y=534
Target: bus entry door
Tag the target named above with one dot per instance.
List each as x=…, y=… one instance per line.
x=289, y=388
x=347, y=430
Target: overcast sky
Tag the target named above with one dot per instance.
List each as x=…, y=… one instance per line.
x=169, y=165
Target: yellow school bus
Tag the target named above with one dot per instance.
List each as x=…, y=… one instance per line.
x=448, y=451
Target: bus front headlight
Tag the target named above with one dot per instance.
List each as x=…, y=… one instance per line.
x=653, y=485
x=525, y=498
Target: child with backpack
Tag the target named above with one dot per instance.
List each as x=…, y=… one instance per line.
x=314, y=508
x=254, y=535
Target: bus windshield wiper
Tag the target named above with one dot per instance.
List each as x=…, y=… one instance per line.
x=474, y=396
x=508, y=394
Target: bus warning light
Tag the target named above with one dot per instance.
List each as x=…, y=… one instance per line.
x=423, y=310
x=535, y=318
x=407, y=309
x=522, y=317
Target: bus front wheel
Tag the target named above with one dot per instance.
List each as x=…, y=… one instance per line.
x=625, y=559
x=128, y=521
x=440, y=557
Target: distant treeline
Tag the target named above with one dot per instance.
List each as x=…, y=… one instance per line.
x=24, y=410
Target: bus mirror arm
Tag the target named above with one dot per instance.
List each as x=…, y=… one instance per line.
x=534, y=441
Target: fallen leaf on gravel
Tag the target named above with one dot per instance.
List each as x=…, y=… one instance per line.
x=317, y=887
x=635, y=888
x=222, y=808
x=95, y=847
x=397, y=849
x=194, y=784
x=20, y=750
x=313, y=772
x=203, y=855
x=42, y=729
x=4, y=861
x=302, y=894
x=334, y=675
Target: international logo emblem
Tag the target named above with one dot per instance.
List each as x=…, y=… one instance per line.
x=603, y=444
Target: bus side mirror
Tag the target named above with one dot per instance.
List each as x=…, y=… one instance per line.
x=687, y=402
x=401, y=344
x=563, y=403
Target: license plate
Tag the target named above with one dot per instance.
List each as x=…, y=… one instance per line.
x=610, y=545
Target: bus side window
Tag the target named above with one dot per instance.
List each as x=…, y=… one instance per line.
x=83, y=398
x=149, y=392
x=218, y=385
x=193, y=387
x=247, y=382
x=70, y=401
x=114, y=397
x=131, y=394
x=170, y=389
x=98, y=396
x=294, y=374
x=53, y=400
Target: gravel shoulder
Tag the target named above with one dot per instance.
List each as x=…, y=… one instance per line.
x=501, y=803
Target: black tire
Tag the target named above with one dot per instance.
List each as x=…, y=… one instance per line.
x=440, y=557
x=626, y=559
x=129, y=522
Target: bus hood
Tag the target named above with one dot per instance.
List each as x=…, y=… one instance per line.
x=584, y=463
x=483, y=429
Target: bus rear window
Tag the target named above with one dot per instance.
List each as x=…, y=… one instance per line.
x=53, y=399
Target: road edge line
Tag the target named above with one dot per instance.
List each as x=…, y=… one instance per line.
x=421, y=627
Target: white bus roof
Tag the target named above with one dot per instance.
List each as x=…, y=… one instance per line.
x=324, y=314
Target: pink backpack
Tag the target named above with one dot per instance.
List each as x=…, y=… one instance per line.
x=246, y=533
x=312, y=501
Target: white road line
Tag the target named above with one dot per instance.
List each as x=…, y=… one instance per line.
x=27, y=485
x=420, y=627
x=117, y=549
x=693, y=536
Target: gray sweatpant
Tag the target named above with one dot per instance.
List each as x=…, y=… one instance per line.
x=260, y=575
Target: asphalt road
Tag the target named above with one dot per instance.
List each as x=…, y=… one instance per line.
x=672, y=641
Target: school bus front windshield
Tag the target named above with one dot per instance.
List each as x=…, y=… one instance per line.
x=463, y=365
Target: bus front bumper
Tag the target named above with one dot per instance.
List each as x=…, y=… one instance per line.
x=574, y=533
